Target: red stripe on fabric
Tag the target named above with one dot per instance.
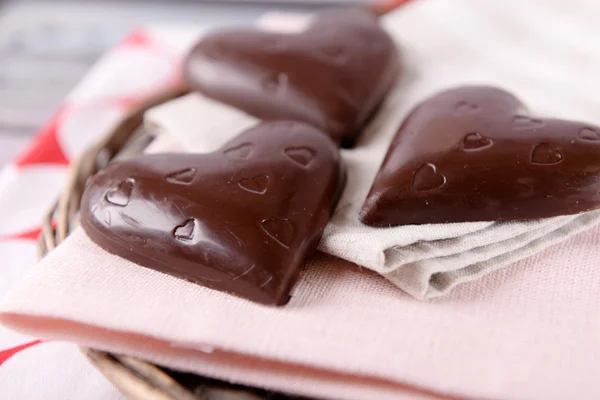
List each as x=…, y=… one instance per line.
x=143, y=38
x=129, y=102
x=8, y=353
x=44, y=148
x=137, y=37
x=384, y=6
x=32, y=234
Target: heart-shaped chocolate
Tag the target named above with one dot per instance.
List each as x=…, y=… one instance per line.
x=333, y=75
x=475, y=154
x=242, y=220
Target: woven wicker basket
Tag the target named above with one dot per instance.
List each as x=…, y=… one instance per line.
x=136, y=379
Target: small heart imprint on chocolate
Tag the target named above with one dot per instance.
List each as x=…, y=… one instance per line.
x=276, y=84
x=301, y=155
x=257, y=184
x=474, y=141
x=464, y=107
x=185, y=231
x=589, y=134
x=211, y=221
x=242, y=151
x=107, y=217
x=524, y=187
x=129, y=220
x=491, y=163
x=183, y=177
x=119, y=196
x=280, y=229
x=543, y=153
x=338, y=54
x=274, y=45
x=345, y=96
x=217, y=51
x=427, y=178
x=523, y=122
x=333, y=75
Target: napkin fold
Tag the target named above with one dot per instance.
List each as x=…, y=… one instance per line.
x=426, y=261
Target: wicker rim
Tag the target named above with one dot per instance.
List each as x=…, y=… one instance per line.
x=137, y=379
x=134, y=378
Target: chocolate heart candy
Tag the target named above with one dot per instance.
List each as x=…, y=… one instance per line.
x=333, y=75
x=241, y=220
x=475, y=154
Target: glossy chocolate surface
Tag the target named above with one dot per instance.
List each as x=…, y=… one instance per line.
x=333, y=75
x=476, y=154
x=241, y=220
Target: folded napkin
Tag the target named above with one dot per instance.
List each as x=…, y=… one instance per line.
x=527, y=331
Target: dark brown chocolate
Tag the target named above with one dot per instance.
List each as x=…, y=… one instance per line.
x=241, y=220
x=474, y=153
x=333, y=76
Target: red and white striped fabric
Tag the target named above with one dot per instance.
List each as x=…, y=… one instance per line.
x=146, y=61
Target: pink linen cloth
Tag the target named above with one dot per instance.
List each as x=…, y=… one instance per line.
x=527, y=331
